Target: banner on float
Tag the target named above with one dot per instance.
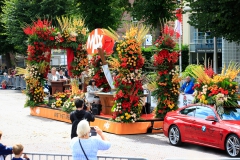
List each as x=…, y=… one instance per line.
x=185, y=99
x=108, y=75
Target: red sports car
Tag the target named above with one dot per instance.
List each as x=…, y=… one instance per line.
x=205, y=125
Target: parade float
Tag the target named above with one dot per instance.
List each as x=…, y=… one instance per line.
x=123, y=100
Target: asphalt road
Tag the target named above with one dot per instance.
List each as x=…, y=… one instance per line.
x=42, y=135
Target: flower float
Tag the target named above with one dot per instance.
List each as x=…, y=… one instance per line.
x=167, y=81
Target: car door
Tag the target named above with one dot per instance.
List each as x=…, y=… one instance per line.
x=207, y=132
x=187, y=120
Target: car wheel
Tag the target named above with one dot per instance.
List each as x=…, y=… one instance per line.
x=174, y=136
x=232, y=145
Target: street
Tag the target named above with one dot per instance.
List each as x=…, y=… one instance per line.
x=43, y=135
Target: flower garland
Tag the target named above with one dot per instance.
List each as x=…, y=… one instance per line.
x=128, y=82
x=167, y=90
x=80, y=61
x=43, y=37
x=98, y=74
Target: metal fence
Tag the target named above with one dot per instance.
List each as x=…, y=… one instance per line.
x=17, y=82
x=44, y=156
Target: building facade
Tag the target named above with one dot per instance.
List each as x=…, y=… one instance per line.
x=201, y=47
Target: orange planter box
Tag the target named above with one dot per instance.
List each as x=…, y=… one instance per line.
x=50, y=113
x=103, y=123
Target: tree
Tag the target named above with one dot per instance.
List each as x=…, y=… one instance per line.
x=154, y=13
x=6, y=48
x=18, y=13
x=102, y=14
x=220, y=17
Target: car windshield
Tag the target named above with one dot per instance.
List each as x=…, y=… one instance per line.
x=229, y=113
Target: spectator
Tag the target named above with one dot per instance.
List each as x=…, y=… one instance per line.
x=187, y=87
x=5, y=69
x=52, y=77
x=10, y=73
x=5, y=80
x=1, y=70
x=18, y=151
x=86, y=147
x=78, y=115
x=4, y=150
x=91, y=92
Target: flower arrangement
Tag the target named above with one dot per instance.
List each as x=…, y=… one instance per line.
x=98, y=74
x=58, y=99
x=42, y=37
x=167, y=81
x=128, y=82
x=219, y=89
x=69, y=105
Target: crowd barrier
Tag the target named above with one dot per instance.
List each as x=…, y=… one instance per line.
x=44, y=156
x=17, y=82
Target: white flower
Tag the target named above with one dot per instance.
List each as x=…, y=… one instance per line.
x=73, y=34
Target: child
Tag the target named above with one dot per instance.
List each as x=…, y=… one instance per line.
x=18, y=151
x=4, y=151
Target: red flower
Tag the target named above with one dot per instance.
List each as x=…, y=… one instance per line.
x=124, y=65
x=120, y=93
x=51, y=38
x=126, y=105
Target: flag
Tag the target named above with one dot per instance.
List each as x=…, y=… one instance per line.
x=178, y=28
x=178, y=23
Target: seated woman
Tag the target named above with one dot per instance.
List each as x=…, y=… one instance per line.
x=86, y=147
x=91, y=92
x=62, y=76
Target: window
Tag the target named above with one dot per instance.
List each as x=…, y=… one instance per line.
x=202, y=112
x=189, y=111
x=230, y=114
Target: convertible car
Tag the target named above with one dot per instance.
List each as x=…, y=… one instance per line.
x=205, y=125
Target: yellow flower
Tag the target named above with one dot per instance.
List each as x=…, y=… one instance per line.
x=122, y=117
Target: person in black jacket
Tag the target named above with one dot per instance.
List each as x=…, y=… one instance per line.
x=79, y=114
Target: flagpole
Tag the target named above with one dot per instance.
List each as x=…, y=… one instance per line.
x=180, y=57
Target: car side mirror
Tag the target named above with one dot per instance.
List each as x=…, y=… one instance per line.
x=211, y=118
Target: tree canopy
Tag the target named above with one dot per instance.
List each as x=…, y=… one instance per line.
x=17, y=13
x=220, y=17
x=102, y=14
x=154, y=12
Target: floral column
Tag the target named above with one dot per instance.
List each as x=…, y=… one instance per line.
x=167, y=90
x=128, y=82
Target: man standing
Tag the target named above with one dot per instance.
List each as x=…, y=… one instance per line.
x=78, y=115
x=187, y=87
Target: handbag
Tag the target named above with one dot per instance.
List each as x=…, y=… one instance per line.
x=83, y=150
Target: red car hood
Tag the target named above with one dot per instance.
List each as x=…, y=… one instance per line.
x=232, y=123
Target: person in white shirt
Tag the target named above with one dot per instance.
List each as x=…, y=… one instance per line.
x=52, y=77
